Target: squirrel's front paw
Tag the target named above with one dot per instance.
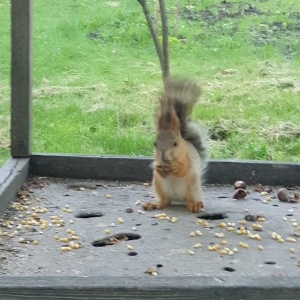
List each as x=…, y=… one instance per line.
x=162, y=171
x=195, y=206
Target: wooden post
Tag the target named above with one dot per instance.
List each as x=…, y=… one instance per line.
x=21, y=77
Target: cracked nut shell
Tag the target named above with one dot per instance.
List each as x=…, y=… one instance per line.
x=239, y=194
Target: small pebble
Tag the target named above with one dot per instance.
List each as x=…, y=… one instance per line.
x=191, y=252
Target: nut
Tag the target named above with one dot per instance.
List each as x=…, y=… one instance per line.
x=196, y=246
x=239, y=185
x=283, y=195
x=222, y=224
x=223, y=252
x=257, y=227
x=216, y=247
x=239, y=194
x=230, y=229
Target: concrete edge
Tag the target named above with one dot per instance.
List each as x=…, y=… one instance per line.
x=137, y=169
x=12, y=175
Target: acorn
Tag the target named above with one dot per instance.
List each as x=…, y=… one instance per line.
x=283, y=195
x=239, y=185
x=239, y=194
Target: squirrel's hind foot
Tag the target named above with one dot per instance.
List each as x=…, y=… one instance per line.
x=151, y=206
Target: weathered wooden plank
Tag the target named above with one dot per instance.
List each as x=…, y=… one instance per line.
x=94, y=167
x=137, y=168
x=12, y=175
x=21, y=77
x=252, y=172
x=175, y=288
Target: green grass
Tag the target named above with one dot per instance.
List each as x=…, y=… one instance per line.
x=97, y=96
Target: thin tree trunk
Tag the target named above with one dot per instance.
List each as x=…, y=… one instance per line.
x=153, y=34
x=176, y=18
x=156, y=13
x=165, y=38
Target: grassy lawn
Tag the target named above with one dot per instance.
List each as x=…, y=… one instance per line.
x=97, y=77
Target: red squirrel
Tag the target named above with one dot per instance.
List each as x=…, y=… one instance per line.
x=180, y=148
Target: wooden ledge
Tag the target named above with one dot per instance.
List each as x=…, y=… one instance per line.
x=138, y=169
x=12, y=175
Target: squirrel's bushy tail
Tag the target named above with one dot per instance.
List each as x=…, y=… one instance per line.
x=183, y=94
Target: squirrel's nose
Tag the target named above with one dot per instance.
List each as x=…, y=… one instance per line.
x=164, y=157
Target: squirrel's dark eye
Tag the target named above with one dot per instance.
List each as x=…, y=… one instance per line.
x=175, y=144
